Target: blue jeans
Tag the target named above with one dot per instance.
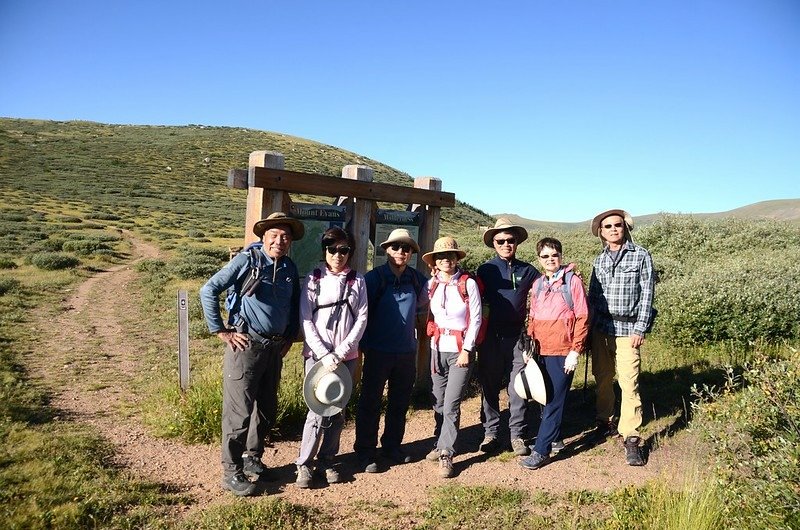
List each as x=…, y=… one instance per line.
x=550, y=427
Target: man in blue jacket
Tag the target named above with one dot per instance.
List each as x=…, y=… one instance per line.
x=507, y=282
x=396, y=293
x=264, y=326
x=621, y=311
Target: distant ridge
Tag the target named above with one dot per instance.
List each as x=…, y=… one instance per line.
x=778, y=209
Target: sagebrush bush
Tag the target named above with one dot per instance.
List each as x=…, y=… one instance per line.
x=53, y=261
x=84, y=247
x=754, y=433
x=7, y=263
x=186, y=268
x=8, y=284
x=53, y=244
x=742, y=297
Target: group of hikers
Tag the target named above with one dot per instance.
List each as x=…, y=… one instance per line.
x=475, y=322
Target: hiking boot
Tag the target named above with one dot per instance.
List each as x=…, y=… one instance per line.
x=396, y=455
x=433, y=456
x=490, y=444
x=633, y=454
x=602, y=430
x=366, y=463
x=556, y=447
x=238, y=485
x=519, y=447
x=445, y=465
x=534, y=461
x=325, y=469
x=303, y=477
x=253, y=467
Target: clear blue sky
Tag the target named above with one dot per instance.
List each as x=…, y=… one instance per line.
x=551, y=110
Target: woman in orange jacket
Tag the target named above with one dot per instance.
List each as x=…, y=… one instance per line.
x=558, y=321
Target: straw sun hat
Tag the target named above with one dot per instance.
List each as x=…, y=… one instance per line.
x=442, y=245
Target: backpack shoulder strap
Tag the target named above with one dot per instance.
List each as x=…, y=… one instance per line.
x=566, y=292
x=462, y=286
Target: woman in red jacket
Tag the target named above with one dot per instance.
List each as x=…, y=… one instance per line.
x=558, y=321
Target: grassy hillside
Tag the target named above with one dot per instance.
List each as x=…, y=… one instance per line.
x=163, y=180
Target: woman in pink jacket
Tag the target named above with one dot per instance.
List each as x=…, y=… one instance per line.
x=333, y=311
x=558, y=321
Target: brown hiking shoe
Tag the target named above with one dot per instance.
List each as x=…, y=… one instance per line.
x=445, y=465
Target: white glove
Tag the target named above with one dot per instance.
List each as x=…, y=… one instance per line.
x=571, y=362
x=330, y=361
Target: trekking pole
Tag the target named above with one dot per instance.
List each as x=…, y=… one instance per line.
x=585, y=375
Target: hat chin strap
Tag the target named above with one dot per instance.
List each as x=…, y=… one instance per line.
x=526, y=386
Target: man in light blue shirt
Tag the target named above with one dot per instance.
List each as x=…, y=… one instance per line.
x=264, y=326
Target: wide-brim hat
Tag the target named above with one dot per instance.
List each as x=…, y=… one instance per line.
x=327, y=393
x=279, y=218
x=504, y=224
x=616, y=211
x=400, y=235
x=529, y=383
x=442, y=245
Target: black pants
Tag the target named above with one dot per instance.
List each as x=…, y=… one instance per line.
x=399, y=371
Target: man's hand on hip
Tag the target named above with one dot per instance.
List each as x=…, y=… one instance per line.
x=234, y=339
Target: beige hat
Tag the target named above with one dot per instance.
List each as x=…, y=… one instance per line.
x=608, y=213
x=503, y=224
x=326, y=392
x=279, y=218
x=529, y=383
x=400, y=235
x=442, y=245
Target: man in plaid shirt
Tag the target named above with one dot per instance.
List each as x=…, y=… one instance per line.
x=621, y=312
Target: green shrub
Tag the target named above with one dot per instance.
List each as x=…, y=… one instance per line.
x=104, y=216
x=52, y=261
x=194, y=233
x=186, y=268
x=754, y=434
x=53, y=244
x=219, y=254
x=7, y=263
x=84, y=247
x=68, y=219
x=732, y=299
x=8, y=284
x=151, y=266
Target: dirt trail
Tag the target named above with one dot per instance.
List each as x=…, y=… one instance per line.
x=95, y=356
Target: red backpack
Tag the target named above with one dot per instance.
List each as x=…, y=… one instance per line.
x=435, y=331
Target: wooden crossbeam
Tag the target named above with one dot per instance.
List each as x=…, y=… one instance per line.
x=313, y=184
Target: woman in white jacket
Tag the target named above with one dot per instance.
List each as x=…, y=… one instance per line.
x=333, y=311
x=455, y=306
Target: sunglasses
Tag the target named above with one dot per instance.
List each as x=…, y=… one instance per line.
x=548, y=256
x=344, y=251
x=397, y=246
x=615, y=225
x=510, y=241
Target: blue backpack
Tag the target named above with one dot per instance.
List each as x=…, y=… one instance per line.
x=247, y=282
x=565, y=290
